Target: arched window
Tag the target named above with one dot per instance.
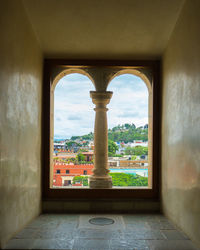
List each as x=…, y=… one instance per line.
x=136, y=91
x=71, y=127
x=129, y=122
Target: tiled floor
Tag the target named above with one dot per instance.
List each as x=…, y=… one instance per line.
x=53, y=231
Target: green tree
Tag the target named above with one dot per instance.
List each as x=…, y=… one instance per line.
x=75, y=137
x=127, y=126
x=81, y=179
x=118, y=179
x=71, y=144
x=129, y=151
x=80, y=157
x=139, y=150
x=122, y=179
x=112, y=148
x=133, y=157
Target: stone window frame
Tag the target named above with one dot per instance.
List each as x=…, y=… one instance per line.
x=101, y=71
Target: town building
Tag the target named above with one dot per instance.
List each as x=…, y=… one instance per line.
x=64, y=174
x=88, y=155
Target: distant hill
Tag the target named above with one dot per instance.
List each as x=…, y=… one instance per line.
x=128, y=132
x=121, y=133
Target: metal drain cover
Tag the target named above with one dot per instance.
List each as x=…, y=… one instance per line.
x=101, y=221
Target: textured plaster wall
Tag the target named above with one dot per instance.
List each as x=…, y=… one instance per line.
x=20, y=120
x=181, y=123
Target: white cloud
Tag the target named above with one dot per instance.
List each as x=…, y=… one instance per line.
x=129, y=103
x=73, y=108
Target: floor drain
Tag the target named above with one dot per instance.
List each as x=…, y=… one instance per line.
x=101, y=221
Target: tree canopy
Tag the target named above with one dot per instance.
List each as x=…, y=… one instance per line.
x=121, y=133
x=112, y=148
x=138, y=150
x=118, y=179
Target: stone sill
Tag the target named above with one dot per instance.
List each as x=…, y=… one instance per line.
x=101, y=206
x=87, y=187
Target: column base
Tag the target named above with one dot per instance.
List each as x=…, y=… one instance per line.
x=100, y=182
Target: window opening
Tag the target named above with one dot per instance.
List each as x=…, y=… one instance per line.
x=129, y=130
x=128, y=118
x=73, y=131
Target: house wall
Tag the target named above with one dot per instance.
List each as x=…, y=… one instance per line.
x=20, y=122
x=181, y=123
x=74, y=170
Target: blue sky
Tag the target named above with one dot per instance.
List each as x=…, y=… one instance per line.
x=73, y=107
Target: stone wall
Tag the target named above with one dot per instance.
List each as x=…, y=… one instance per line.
x=181, y=123
x=20, y=123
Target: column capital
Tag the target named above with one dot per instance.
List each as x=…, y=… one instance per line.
x=101, y=97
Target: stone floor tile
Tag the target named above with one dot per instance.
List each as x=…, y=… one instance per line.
x=137, y=226
x=132, y=219
x=20, y=244
x=64, y=234
x=160, y=224
x=91, y=244
x=142, y=218
x=53, y=234
x=143, y=235
x=117, y=225
x=174, y=235
x=44, y=224
x=45, y=234
x=27, y=233
x=69, y=218
x=171, y=245
x=151, y=217
x=165, y=224
x=61, y=231
x=36, y=223
x=67, y=225
x=117, y=244
x=53, y=244
x=98, y=234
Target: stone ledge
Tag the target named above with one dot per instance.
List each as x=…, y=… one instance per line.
x=101, y=206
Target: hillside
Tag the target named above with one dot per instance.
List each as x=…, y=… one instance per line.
x=121, y=133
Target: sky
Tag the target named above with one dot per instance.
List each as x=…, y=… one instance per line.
x=73, y=107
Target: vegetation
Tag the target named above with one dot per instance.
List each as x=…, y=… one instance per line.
x=112, y=148
x=67, y=160
x=89, y=137
x=117, y=155
x=123, y=180
x=81, y=179
x=123, y=127
x=118, y=179
x=138, y=150
x=71, y=144
x=80, y=157
x=121, y=133
x=133, y=157
x=77, y=161
x=126, y=133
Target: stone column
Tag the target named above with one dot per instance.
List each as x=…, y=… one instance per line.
x=100, y=177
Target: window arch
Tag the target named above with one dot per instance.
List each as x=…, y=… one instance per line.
x=67, y=111
x=125, y=96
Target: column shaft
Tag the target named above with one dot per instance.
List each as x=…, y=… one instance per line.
x=100, y=177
